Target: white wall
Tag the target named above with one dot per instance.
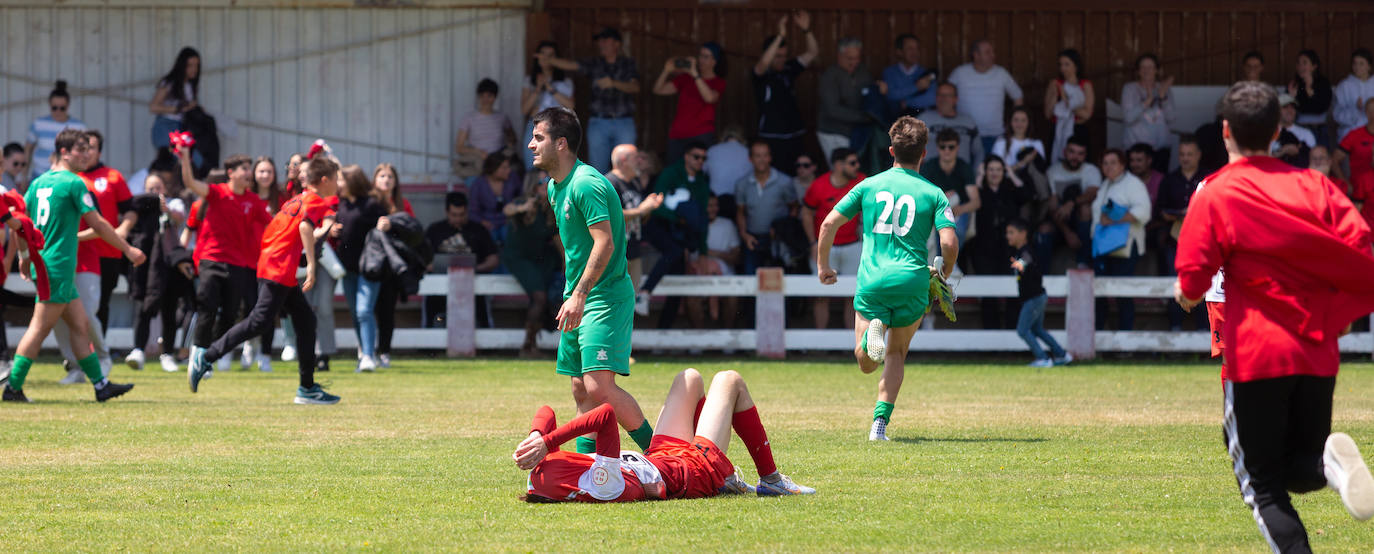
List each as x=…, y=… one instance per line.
x=382, y=85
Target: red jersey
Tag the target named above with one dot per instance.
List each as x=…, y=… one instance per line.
x=406, y=205
x=12, y=205
x=822, y=196
x=567, y=476
x=220, y=233
x=695, y=116
x=108, y=187
x=1297, y=261
x=281, y=241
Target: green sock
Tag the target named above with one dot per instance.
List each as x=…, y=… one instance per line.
x=883, y=410
x=863, y=341
x=90, y=365
x=19, y=371
x=643, y=435
x=586, y=445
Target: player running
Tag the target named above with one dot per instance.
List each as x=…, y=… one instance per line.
x=900, y=209
x=1297, y=261
x=60, y=202
x=597, y=315
x=291, y=235
x=686, y=458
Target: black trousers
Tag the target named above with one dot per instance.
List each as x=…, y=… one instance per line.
x=162, y=301
x=273, y=298
x=385, y=311
x=10, y=298
x=1275, y=431
x=110, y=270
x=246, y=279
x=220, y=288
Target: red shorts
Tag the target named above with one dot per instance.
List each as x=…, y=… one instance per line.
x=690, y=470
x=1216, y=316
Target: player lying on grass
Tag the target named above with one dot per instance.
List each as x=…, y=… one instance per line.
x=685, y=459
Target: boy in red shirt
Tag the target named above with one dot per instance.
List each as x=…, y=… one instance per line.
x=685, y=458
x=820, y=199
x=1297, y=261
x=291, y=234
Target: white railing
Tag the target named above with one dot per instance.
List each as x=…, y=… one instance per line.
x=770, y=337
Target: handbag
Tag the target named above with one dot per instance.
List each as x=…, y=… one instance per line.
x=1110, y=238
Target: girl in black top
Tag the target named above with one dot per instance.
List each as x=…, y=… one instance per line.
x=1312, y=90
x=1002, y=200
x=359, y=212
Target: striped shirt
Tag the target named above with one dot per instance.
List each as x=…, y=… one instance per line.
x=43, y=134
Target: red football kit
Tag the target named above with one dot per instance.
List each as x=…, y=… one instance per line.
x=1297, y=261
x=281, y=241
x=221, y=235
x=108, y=187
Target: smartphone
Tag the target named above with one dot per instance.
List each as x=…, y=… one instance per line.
x=682, y=63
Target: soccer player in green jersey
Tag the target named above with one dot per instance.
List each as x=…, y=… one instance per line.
x=900, y=210
x=598, y=309
x=59, y=201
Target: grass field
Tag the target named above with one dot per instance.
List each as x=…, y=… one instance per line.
x=985, y=457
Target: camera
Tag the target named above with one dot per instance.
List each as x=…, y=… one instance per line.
x=682, y=63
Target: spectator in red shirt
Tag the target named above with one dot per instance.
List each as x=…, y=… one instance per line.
x=1358, y=146
x=698, y=85
x=1281, y=320
x=290, y=236
x=821, y=197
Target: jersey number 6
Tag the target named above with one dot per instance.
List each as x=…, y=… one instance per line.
x=884, y=225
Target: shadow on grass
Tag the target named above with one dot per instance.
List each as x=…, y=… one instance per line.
x=917, y=440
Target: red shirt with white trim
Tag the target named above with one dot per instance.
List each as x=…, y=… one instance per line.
x=110, y=189
x=1297, y=261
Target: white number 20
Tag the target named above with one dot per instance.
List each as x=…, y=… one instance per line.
x=44, y=206
x=884, y=225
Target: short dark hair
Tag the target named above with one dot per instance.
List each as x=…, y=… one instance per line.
x=488, y=85
x=1252, y=111
x=69, y=138
x=455, y=200
x=946, y=135
x=493, y=162
x=694, y=145
x=1188, y=139
x=233, y=162
x=561, y=123
x=901, y=40
x=216, y=176
x=1362, y=53
x=1019, y=224
x=1311, y=56
x=973, y=47
x=760, y=142
x=909, y=136
x=1077, y=140
x=12, y=149
x=839, y=154
x=1141, y=148
x=1120, y=156
x=1146, y=56
x=99, y=138
x=1252, y=54
x=318, y=168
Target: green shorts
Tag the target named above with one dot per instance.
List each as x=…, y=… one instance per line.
x=601, y=342
x=61, y=291
x=895, y=311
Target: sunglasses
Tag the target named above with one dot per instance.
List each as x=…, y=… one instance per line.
x=806, y=165
x=851, y=162
x=949, y=146
x=58, y=108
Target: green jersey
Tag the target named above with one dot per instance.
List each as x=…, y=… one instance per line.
x=583, y=199
x=57, y=200
x=900, y=210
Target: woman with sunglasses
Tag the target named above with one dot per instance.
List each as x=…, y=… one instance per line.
x=41, y=144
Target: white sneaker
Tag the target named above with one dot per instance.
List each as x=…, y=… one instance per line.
x=74, y=377
x=876, y=334
x=366, y=364
x=264, y=363
x=169, y=363
x=1066, y=360
x=1042, y=362
x=642, y=303
x=1347, y=473
x=247, y=355
x=384, y=361
x=135, y=359
x=879, y=430
x=288, y=353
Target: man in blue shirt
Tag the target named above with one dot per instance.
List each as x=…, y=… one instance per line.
x=910, y=87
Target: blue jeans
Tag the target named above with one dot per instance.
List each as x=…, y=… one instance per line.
x=1031, y=326
x=961, y=225
x=758, y=257
x=362, y=298
x=603, y=135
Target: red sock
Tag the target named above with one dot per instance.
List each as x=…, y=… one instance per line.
x=750, y=429
x=696, y=417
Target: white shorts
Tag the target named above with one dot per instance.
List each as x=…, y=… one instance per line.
x=845, y=258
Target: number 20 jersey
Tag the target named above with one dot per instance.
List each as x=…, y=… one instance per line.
x=900, y=210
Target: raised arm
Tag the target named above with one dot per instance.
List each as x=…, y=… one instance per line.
x=546, y=436
x=188, y=177
x=766, y=60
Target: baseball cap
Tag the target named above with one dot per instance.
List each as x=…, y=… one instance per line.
x=1285, y=99
x=608, y=32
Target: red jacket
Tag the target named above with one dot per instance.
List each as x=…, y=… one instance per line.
x=1298, y=266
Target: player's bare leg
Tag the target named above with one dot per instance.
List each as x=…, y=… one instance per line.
x=595, y=388
x=728, y=406
x=866, y=364
x=890, y=383
x=45, y=317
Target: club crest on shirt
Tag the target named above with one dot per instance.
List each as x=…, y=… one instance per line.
x=567, y=209
x=86, y=198
x=949, y=214
x=600, y=476
x=101, y=184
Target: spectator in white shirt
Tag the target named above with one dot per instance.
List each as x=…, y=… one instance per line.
x=983, y=87
x=722, y=255
x=1353, y=92
x=1122, y=189
x=1018, y=138
x=1149, y=107
x=1294, y=142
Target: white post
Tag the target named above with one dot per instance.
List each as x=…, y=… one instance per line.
x=462, y=308
x=770, y=315
x=1080, y=314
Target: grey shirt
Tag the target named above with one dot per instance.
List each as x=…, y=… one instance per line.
x=763, y=205
x=970, y=148
x=841, y=100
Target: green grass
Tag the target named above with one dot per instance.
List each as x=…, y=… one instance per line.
x=986, y=457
